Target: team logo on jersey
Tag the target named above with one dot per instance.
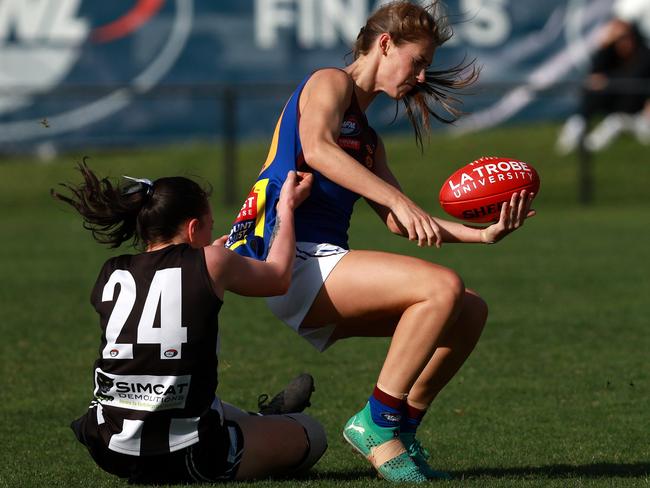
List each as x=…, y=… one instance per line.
x=113, y=353
x=350, y=126
x=249, y=208
x=142, y=392
x=251, y=217
x=347, y=143
x=45, y=42
x=245, y=220
x=104, y=386
x=171, y=353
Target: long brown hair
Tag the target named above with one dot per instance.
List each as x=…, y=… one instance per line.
x=146, y=212
x=407, y=22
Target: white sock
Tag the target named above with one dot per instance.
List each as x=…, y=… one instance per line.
x=572, y=131
x=603, y=135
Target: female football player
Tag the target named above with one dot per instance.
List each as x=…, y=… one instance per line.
x=433, y=319
x=155, y=417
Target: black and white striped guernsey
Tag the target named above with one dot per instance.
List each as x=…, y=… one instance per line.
x=156, y=376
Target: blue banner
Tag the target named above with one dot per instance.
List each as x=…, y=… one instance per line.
x=145, y=71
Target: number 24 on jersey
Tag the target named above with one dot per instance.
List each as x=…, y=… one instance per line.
x=165, y=291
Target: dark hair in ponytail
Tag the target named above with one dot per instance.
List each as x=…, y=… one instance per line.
x=407, y=22
x=142, y=212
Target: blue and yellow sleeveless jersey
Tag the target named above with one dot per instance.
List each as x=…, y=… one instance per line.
x=325, y=216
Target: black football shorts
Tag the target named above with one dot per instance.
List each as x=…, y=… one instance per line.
x=215, y=458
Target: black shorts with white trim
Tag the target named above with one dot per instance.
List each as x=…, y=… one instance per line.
x=215, y=458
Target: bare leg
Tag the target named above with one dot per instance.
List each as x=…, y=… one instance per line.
x=365, y=297
x=378, y=294
x=455, y=347
x=277, y=445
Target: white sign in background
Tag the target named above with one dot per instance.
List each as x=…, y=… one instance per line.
x=41, y=42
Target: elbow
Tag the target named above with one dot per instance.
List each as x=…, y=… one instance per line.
x=313, y=152
x=283, y=280
x=278, y=279
x=309, y=154
x=283, y=284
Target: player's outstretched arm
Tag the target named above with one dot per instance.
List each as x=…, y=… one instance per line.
x=326, y=96
x=405, y=218
x=251, y=277
x=512, y=217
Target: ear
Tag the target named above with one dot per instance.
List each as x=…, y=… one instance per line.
x=192, y=228
x=384, y=43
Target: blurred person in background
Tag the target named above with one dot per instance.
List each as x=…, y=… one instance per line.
x=433, y=319
x=617, y=85
x=155, y=417
x=635, y=12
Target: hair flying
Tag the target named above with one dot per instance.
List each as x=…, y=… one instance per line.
x=407, y=22
x=146, y=212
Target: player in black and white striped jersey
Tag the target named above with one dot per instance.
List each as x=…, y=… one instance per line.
x=155, y=417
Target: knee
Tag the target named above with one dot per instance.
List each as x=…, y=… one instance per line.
x=448, y=291
x=316, y=440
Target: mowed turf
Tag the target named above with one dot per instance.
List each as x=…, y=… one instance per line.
x=557, y=392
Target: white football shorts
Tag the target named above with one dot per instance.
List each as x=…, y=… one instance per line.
x=312, y=266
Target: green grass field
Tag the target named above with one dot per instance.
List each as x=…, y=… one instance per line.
x=557, y=392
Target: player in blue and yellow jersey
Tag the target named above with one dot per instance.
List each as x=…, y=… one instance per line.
x=336, y=292
x=325, y=216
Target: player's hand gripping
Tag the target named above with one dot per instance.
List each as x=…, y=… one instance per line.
x=295, y=189
x=513, y=214
x=415, y=223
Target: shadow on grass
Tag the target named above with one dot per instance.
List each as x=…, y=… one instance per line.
x=336, y=475
x=597, y=470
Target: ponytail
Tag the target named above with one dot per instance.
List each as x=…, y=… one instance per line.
x=143, y=212
x=109, y=212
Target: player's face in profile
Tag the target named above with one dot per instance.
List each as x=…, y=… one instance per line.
x=204, y=230
x=408, y=62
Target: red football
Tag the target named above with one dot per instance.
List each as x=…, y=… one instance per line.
x=476, y=191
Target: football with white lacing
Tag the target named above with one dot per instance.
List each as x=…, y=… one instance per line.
x=476, y=192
